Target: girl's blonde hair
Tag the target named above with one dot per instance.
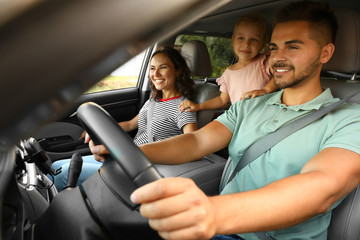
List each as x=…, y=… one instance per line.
x=254, y=18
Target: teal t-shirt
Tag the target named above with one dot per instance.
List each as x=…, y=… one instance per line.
x=251, y=119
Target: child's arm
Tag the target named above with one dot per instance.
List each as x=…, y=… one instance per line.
x=214, y=103
x=269, y=88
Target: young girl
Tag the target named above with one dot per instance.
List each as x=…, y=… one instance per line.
x=250, y=76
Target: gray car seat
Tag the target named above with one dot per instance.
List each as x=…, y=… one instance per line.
x=345, y=223
x=346, y=58
x=197, y=57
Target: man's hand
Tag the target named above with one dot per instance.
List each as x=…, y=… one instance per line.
x=97, y=150
x=188, y=106
x=177, y=209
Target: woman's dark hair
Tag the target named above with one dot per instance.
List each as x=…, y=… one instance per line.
x=183, y=83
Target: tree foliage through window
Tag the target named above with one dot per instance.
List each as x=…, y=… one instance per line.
x=220, y=51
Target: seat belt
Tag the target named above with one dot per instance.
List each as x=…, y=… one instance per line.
x=150, y=113
x=270, y=140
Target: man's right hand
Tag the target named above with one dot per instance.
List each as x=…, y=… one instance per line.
x=177, y=209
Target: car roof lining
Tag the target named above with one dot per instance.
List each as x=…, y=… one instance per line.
x=27, y=41
x=37, y=54
x=214, y=22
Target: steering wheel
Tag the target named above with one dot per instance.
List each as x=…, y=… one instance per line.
x=101, y=207
x=103, y=129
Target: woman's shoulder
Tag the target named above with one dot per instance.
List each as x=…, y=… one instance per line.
x=147, y=102
x=180, y=99
x=171, y=101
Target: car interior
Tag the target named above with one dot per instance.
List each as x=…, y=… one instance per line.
x=43, y=122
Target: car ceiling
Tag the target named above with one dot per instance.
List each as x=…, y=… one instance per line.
x=221, y=21
x=52, y=51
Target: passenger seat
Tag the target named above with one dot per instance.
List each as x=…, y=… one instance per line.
x=197, y=57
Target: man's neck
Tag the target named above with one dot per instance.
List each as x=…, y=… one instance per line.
x=302, y=93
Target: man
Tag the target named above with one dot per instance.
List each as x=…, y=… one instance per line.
x=289, y=191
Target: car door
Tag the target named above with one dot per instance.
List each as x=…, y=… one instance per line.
x=121, y=94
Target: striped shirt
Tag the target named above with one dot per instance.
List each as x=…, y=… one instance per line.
x=167, y=120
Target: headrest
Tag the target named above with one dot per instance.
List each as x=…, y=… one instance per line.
x=197, y=57
x=346, y=57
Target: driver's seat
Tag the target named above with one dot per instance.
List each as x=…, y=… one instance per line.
x=345, y=221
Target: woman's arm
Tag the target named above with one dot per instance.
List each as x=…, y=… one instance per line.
x=130, y=125
x=190, y=127
x=99, y=150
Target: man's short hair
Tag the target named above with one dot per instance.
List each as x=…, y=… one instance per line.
x=320, y=16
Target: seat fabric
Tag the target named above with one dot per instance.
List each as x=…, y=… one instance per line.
x=197, y=57
x=345, y=221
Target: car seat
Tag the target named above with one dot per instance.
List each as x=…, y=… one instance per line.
x=346, y=58
x=345, y=222
x=197, y=57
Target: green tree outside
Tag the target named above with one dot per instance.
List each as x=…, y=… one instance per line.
x=220, y=51
x=221, y=56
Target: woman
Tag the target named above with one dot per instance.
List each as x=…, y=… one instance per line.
x=171, y=84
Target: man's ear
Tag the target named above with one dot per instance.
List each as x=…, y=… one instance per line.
x=326, y=52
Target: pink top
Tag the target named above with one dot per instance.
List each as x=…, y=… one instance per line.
x=253, y=76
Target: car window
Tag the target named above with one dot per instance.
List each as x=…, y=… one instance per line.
x=220, y=51
x=125, y=76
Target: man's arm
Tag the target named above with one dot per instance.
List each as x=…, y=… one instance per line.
x=326, y=178
x=179, y=149
x=189, y=147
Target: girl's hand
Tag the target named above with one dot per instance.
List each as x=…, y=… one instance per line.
x=253, y=94
x=188, y=106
